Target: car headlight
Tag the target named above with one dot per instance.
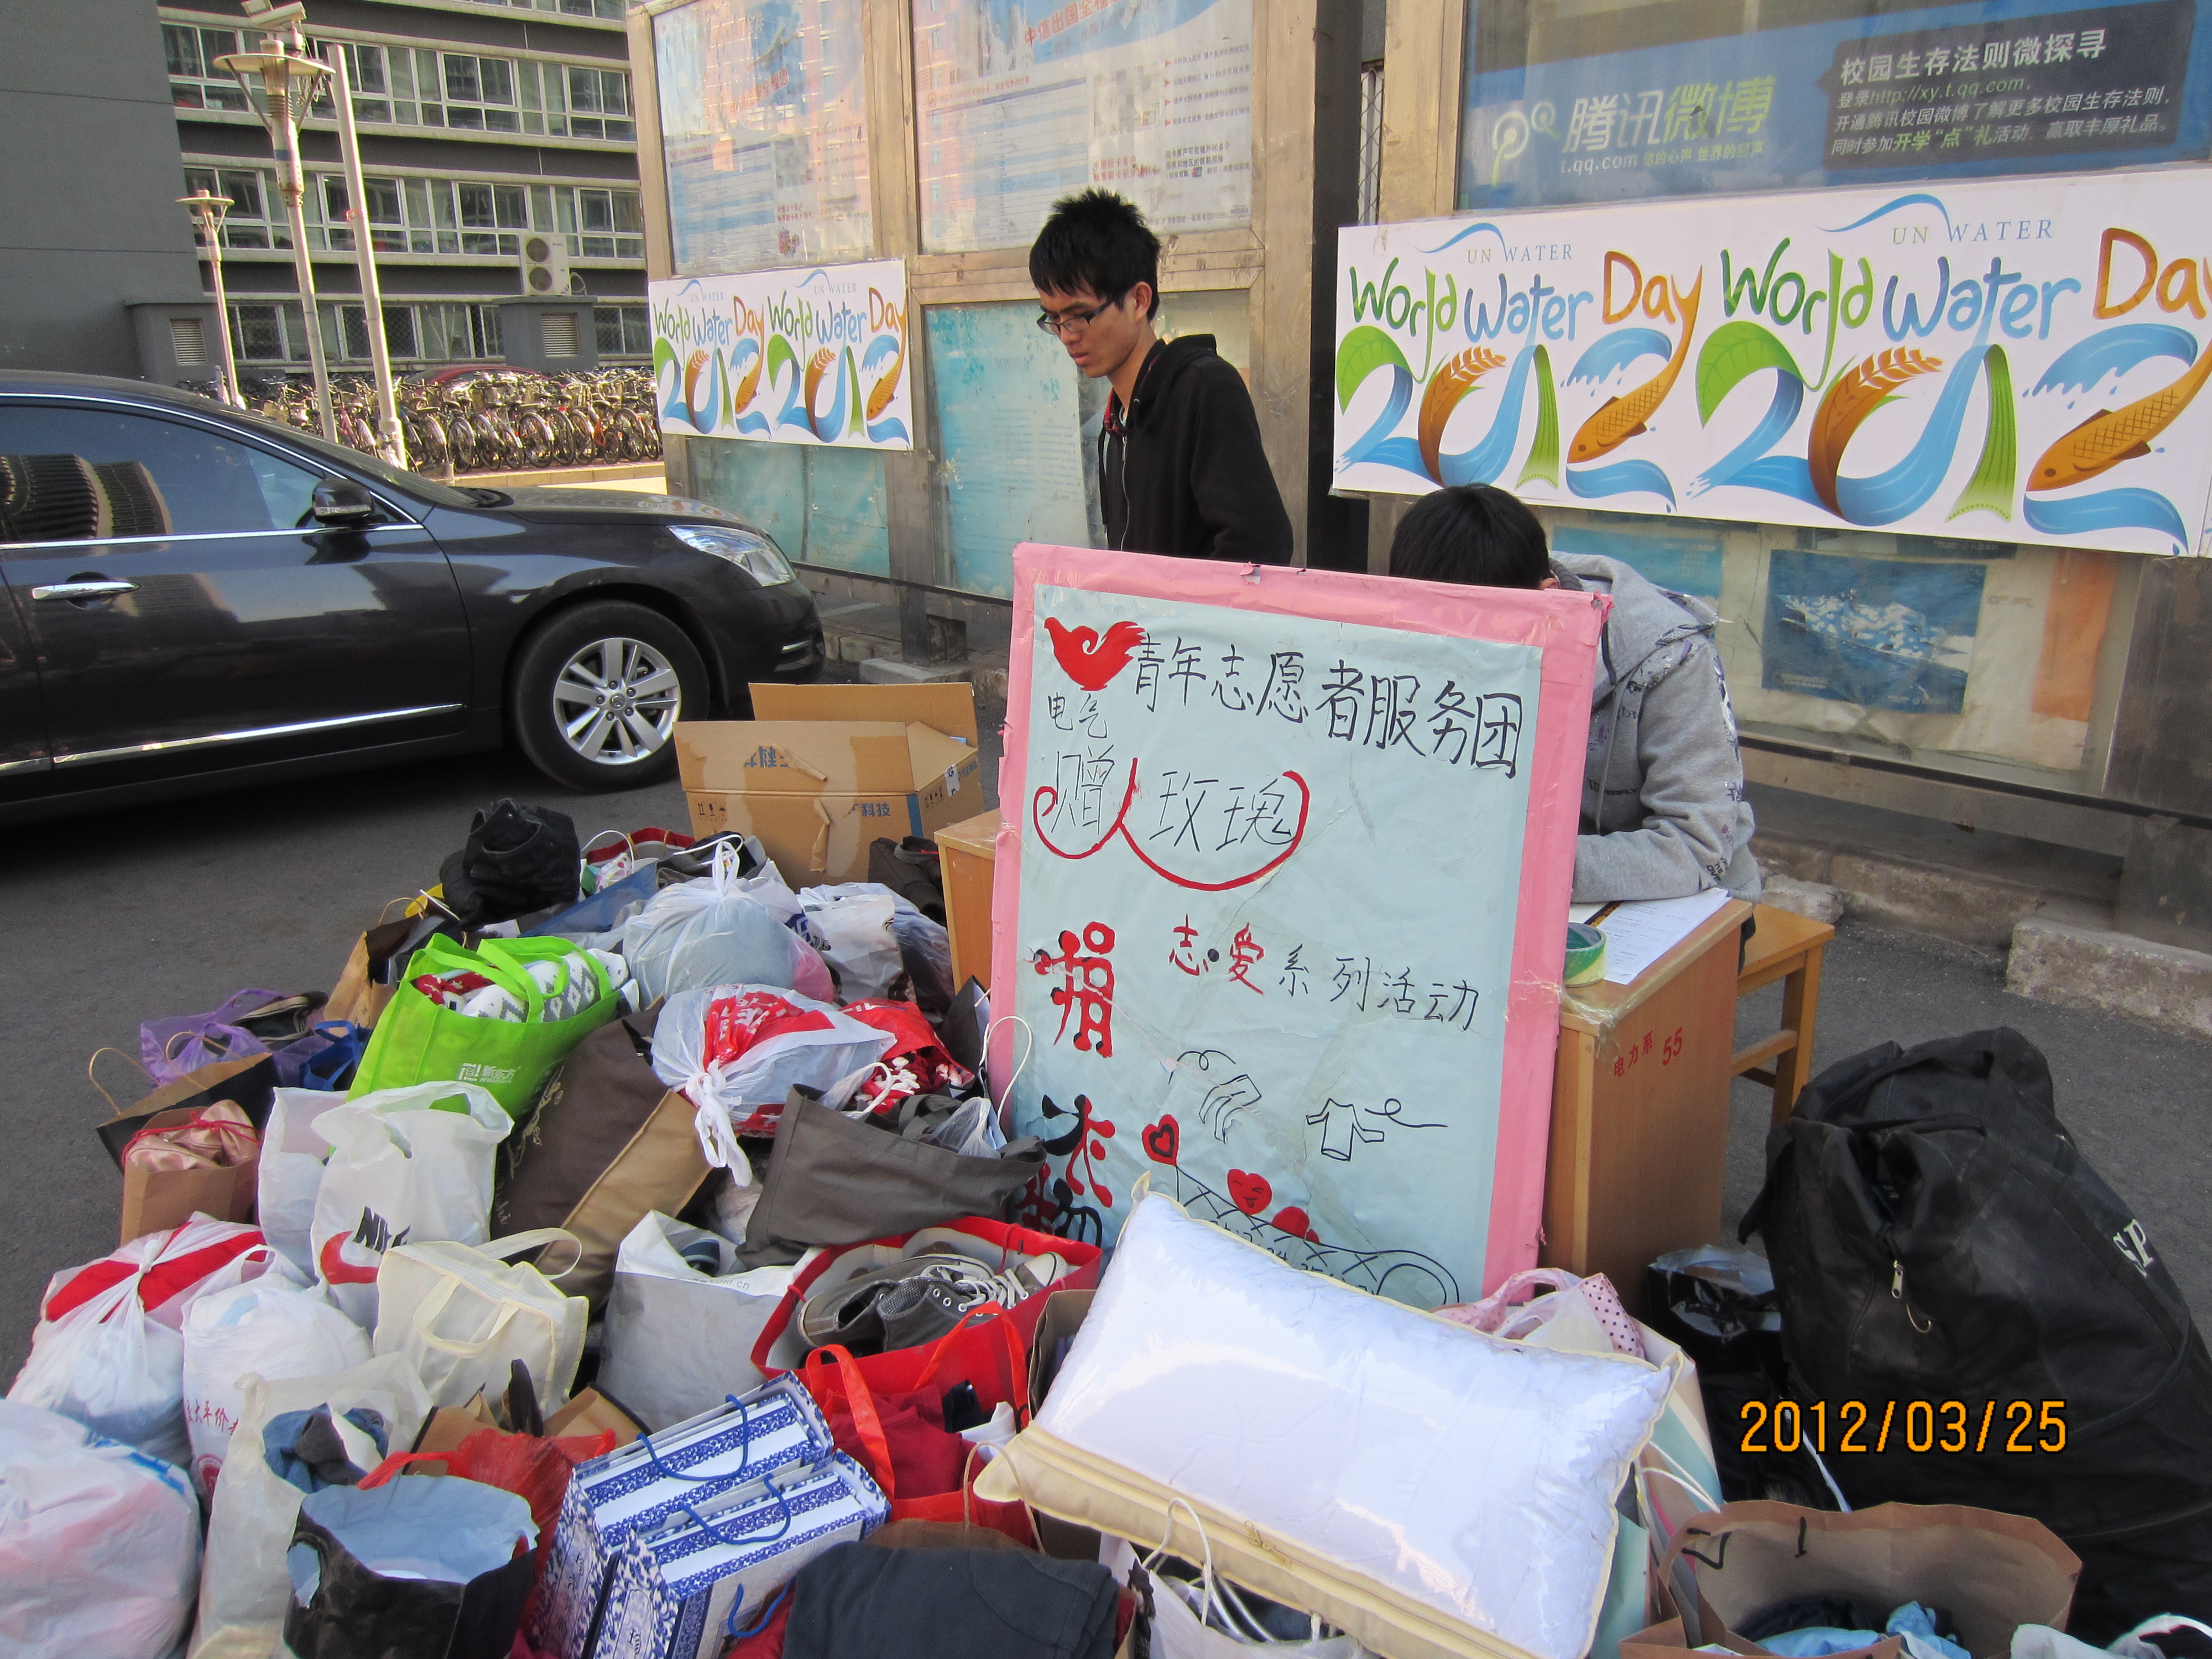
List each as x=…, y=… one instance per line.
x=751, y=552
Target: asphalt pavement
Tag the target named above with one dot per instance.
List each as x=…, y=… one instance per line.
x=114, y=920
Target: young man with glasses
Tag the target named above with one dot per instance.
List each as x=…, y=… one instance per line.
x=1181, y=469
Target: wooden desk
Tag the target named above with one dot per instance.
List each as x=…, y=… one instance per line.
x=1789, y=948
x=1640, y=1110
x=971, y=850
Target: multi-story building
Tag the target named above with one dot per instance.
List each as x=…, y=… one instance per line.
x=481, y=121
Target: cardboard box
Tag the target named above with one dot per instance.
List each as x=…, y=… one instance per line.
x=970, y=854
x=823, y=770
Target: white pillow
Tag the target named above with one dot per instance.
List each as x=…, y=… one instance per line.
x=1473, y=1475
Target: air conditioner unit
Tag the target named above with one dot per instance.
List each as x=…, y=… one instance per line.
x=544, y=264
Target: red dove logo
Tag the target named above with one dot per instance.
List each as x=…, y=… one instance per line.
x=1090, y=661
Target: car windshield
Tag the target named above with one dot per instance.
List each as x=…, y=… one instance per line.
x=411, y=483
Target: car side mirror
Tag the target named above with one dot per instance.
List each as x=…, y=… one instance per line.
x=341, y=504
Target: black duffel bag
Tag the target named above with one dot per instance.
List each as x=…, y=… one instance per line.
x=1937, y=1238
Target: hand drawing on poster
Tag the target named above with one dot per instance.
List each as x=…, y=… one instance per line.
x=2026, y=357
x=1242, y=985
x=816, y=357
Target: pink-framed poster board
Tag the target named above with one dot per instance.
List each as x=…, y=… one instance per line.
x=1281, y=895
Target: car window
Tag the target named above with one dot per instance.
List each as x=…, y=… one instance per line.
x=70, y=474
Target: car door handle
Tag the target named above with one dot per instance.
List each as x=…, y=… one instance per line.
x=83, y=590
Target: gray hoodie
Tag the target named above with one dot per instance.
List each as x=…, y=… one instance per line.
x=1663, y=812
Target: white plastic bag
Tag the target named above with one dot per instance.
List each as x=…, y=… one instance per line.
x=293, y=1153
x=100, y=1546
x=678, y=1340
x=736, y=1051
x=401, y=1171
x=721, y=930
x=102, y=1357
x=460, y=1315
x=857, y=936
x=270, y=1329
x=244, y=1588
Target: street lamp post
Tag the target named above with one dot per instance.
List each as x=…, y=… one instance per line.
x=390, y=440
x=207, y=211
x=286, y=77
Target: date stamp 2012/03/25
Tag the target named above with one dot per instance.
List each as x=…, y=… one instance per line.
x=1919, y=1425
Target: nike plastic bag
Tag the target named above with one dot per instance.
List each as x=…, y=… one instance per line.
x=100, y=1546
x=407, y=1166
x=269, y=1328
x=721, y=929
x=736, y=1052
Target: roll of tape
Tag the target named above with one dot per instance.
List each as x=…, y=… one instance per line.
x=1585, y=954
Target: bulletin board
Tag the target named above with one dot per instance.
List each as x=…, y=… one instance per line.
x=1282, y=892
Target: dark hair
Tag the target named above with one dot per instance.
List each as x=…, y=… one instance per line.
x=1473, y=534
x=1095, y=241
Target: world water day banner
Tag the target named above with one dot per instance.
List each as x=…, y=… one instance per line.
x=2017, y=361
x=814, y=356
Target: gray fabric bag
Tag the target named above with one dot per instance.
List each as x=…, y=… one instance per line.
x=836, y=1180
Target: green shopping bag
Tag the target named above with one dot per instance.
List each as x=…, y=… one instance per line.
x=418, y=1040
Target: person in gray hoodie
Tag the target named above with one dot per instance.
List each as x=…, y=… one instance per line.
x=1664, y=813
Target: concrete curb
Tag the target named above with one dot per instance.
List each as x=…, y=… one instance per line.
x=2092, y=967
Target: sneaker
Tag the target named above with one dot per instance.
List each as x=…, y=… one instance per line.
x=851, y=1314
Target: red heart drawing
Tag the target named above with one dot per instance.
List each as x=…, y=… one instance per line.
x=1249, y=1192
x=1088, y=661
x=1162, y=1140
x=1292, y=1220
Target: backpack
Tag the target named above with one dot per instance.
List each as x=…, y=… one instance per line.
x=1936, y=1236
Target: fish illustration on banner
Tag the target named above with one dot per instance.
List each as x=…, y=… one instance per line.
x=812, y=356
x=1993, y=359
x=1241, y=990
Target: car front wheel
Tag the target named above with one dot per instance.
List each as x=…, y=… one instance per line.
x=598, y=692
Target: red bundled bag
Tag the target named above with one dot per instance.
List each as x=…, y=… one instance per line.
x=916, y=1063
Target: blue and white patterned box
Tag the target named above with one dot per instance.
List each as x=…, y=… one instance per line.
x=683, y=1592
x=717, y=1459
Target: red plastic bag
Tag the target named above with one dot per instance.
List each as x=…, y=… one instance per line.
x=916, y=1063
x=882, y=1425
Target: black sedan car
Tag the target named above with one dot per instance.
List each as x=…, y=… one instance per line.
x=197, y=598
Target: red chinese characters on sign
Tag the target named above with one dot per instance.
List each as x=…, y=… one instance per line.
x=1184, y=956
x=1086, y=989
x=1242, y=953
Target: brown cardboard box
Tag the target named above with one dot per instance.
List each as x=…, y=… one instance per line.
x=826, y=769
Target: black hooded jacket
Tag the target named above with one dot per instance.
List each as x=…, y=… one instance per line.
x=1184, y=472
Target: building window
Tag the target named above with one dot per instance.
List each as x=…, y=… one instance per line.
x=488, y=209
x=599, y=105
x=257, y=218
x=368, y=69
x=612, y=8
x=479, y=94
x=267, y=334
x=384, y=210
x=624, y=330
x=194, y=81
x=602, y=224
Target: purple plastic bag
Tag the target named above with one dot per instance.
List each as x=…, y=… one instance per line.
x=182, y=1043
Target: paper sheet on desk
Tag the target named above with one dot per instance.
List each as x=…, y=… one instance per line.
x=1637, y=934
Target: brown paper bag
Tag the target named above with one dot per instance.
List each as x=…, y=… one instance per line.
x=371, y=976
x=154, y=1201
x=1990, y=1572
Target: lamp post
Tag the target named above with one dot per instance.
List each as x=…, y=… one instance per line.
x=207, y=211
x=285, y=78
x=391, y=442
